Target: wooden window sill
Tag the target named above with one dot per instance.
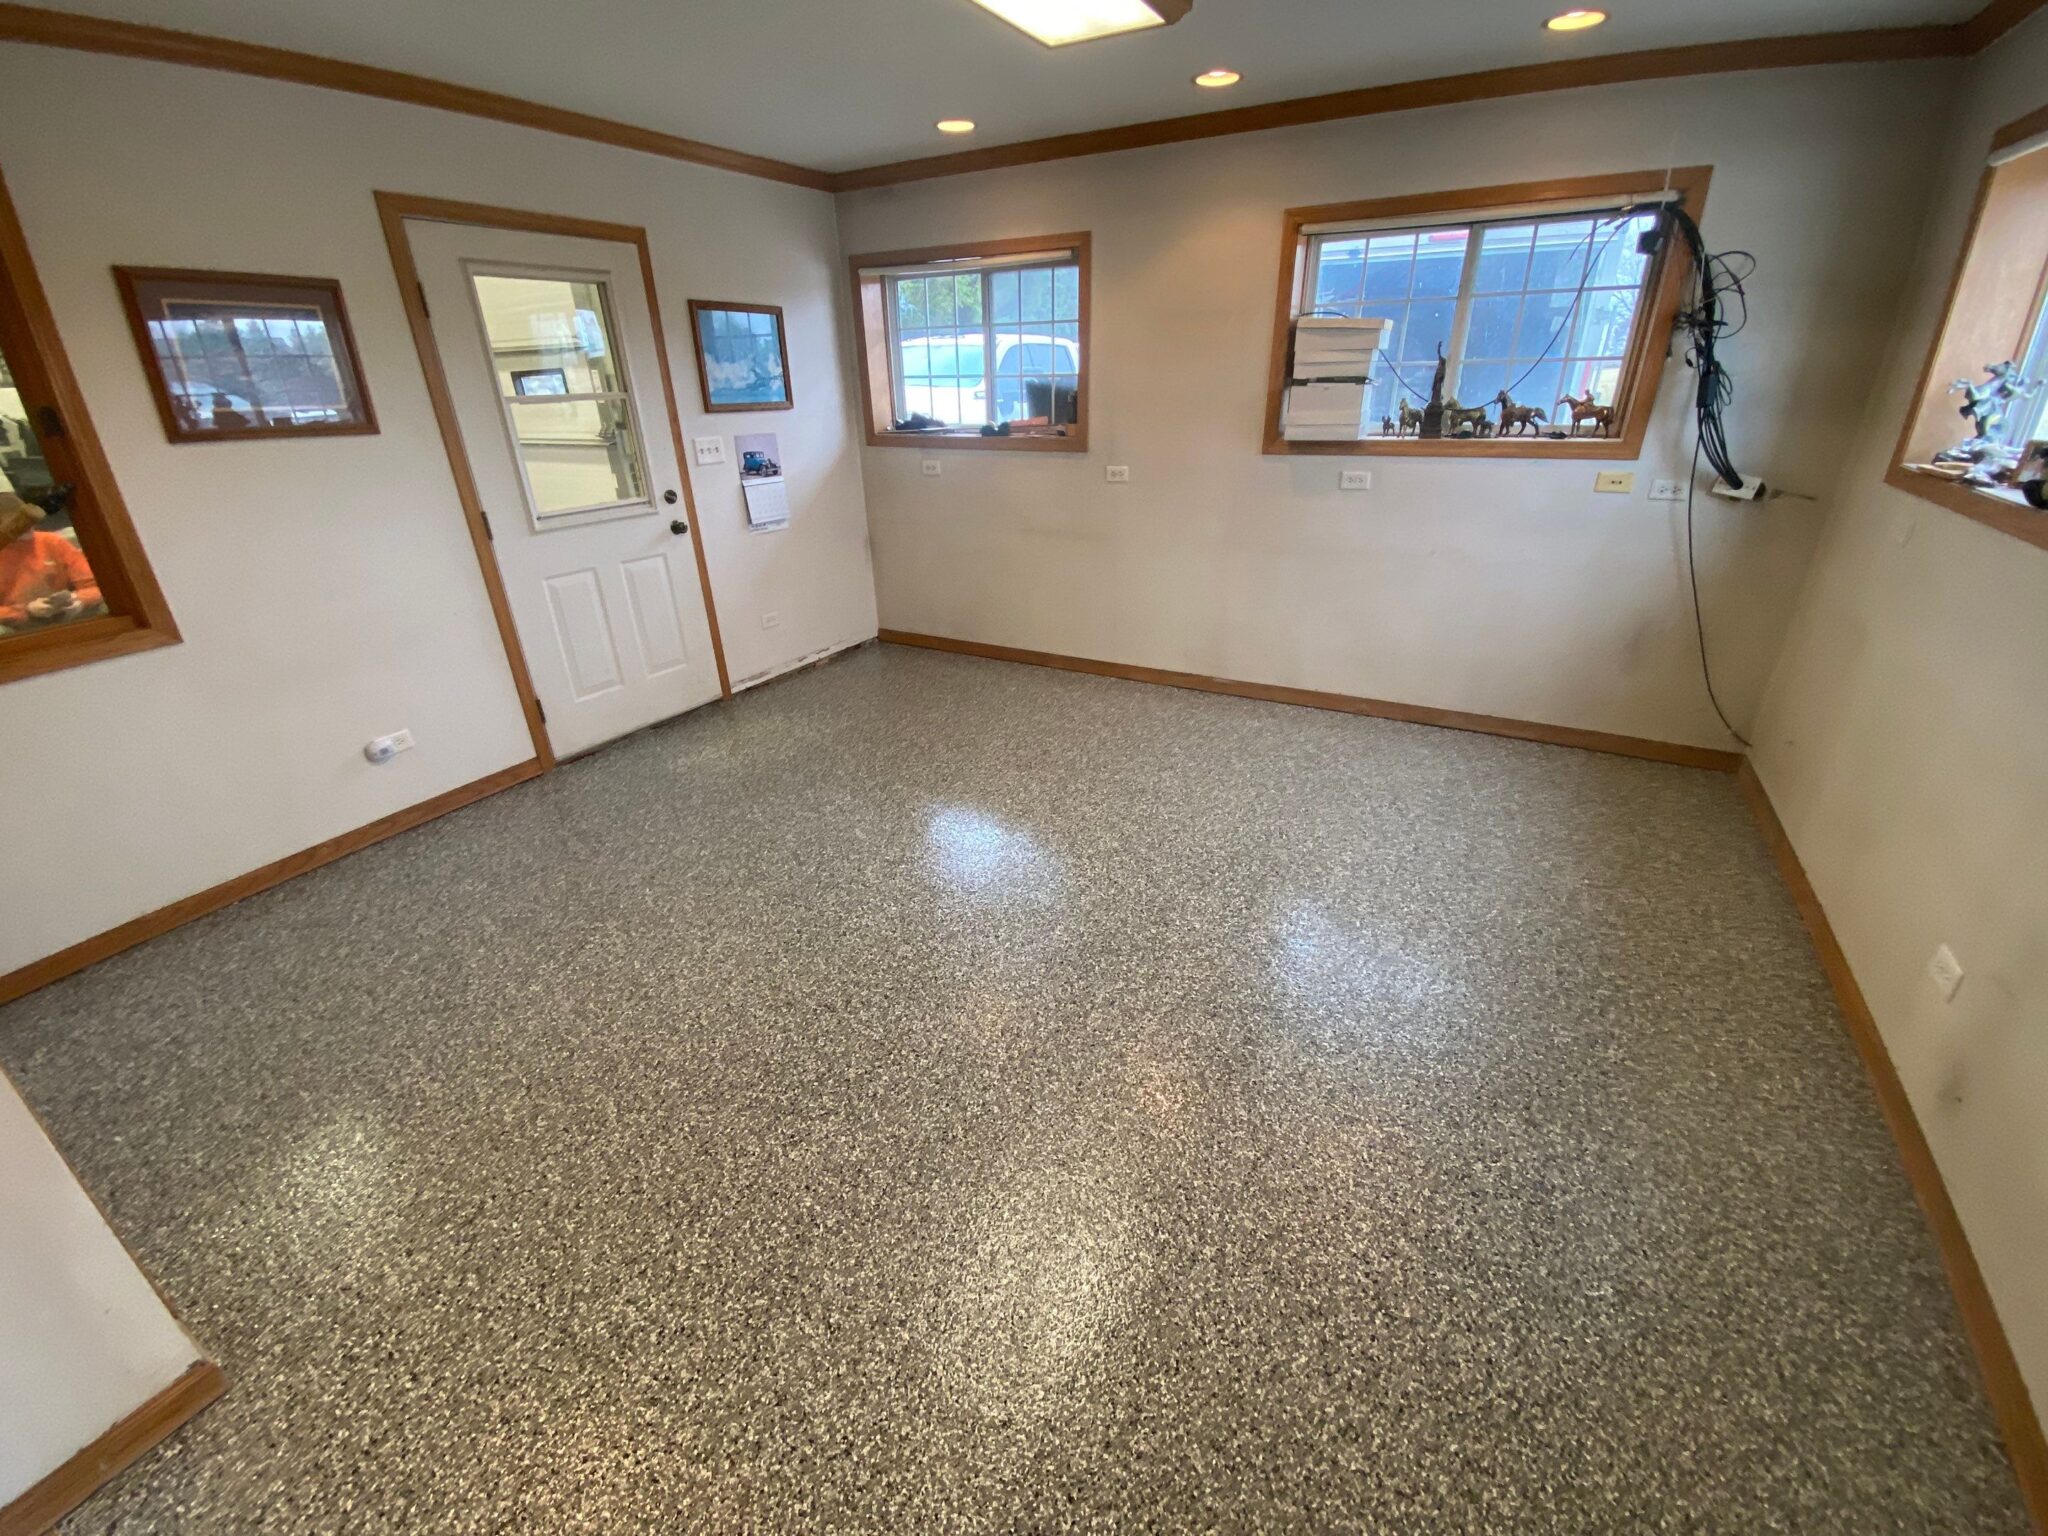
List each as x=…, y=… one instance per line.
x=1993, y=506
x=1027, y=442
x=1610, y=449
x=77, y=645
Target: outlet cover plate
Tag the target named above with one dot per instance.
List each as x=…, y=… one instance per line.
x=1667, y=490
x=929, y=468
x=1616, y=482
x=1354, y=479
x=1119, y=474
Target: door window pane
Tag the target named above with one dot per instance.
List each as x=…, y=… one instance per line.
x=45, y=579
x=577, y=453
x=554, y=354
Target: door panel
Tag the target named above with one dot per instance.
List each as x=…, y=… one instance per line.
x=548, y=345
x=584, y=632
x=651, y=591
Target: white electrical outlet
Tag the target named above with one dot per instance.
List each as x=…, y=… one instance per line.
x=1354, y=479
x=929, y=468
x=1617, y=482
x=1119, y=474
x=710, y=450
x=770, y=620
x=384, y=748
x=1946, y=971
x=1667, y=490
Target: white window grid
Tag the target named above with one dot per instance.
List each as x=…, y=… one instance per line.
x=1030, y=306
x=1540, y=305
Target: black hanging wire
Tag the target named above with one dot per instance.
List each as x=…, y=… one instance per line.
x=1714, y=294
x=1613, y=226
x=1578, y=298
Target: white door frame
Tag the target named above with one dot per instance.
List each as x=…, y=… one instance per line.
x=394, y=208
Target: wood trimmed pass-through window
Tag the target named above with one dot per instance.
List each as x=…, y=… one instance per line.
x=992, y=334
x=75, y=586
x=1997, y=312
x=1540, y=290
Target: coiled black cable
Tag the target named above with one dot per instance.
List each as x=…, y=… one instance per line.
x=1714, y=290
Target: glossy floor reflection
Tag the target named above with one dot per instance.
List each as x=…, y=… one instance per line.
x=931, y=1095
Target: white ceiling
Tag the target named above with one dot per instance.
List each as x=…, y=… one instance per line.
x=835, y=84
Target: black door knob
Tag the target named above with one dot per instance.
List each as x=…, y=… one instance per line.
x=679, y=526
x=669, y=497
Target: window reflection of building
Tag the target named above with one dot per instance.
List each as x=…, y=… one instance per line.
x=45, y=578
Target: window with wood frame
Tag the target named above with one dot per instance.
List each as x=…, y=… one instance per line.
x=1997, y=315
x=75, y=586
x=976, y=346
x=1548, y=305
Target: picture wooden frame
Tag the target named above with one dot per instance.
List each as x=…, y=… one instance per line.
x=237, y=355
x=705, y=327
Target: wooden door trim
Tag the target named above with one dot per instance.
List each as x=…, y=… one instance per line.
x=393, y=209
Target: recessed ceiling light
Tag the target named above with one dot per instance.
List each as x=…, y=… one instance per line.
x=955, y=125
x=1575, y=21
x=1216, y=79
x=1059, y=22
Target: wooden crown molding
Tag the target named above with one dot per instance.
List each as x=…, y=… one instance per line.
x=1879, y=46
x=1994, y=21
x=92, y=34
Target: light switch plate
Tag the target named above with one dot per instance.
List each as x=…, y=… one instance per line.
x=710, y=450
x=1617, y=482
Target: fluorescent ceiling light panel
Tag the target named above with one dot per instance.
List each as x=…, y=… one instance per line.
x=1058, y=22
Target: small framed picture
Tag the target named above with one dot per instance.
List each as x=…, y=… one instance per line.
x=742, y=356
x=234, y=355
x=540, y=381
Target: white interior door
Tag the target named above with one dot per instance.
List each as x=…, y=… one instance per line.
x=548, y=345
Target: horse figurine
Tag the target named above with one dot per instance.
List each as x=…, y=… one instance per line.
x=1410, y=418
x=1588, y=409
x=1513, y=417
x=1458, y=417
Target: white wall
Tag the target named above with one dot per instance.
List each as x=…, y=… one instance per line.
x=1904, y=741
x=84, y=1339
x=327, y=590
x=1502, y=587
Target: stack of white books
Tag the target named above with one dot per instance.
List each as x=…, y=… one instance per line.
x=1326, y=395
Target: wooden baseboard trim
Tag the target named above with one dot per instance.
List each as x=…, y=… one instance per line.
x=40, y=973
x=50, y=1500
x=1384, y=709
x=2011, y=1404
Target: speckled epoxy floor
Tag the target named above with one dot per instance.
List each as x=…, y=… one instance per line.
x=931, y=1095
